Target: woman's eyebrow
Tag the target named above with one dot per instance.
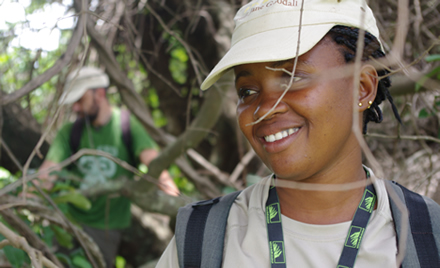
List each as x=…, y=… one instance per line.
x=278, y=64
x=242, y=74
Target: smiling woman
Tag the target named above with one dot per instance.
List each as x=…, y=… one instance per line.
x=296, y=92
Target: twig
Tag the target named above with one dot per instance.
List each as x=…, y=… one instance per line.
x=241, y=165
x=184, y=44
x=403, y=137
x=324, y=187
x=23, y=229
x=292, y=76
x=401, y=30
x=10, y=154
x=4, y=243
x=21, y=243
x=78, y=30
x=404, y=227
x=55, y=69
x=356, y=85
x=221, y=177
x=419, y=18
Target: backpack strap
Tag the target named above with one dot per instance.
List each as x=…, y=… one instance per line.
x=126, y=135
x=421, y=249
x=200, y=232
x=75, y=135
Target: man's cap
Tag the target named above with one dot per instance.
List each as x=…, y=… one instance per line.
x=81, y=80
x=267, y=30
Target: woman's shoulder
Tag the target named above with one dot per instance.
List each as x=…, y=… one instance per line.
x=251, y=201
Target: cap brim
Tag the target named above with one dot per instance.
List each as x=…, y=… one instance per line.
x=274, y=45
x=72, y=95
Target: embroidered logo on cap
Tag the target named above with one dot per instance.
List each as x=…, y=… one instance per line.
x=259, y=5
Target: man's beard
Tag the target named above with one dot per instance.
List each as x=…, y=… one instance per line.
x=92, y=114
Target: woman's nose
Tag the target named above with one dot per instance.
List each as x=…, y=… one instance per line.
x=269, y=106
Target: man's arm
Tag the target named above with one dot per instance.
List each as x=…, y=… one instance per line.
x=166, y=183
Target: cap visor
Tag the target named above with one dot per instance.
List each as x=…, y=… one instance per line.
x=274, y=45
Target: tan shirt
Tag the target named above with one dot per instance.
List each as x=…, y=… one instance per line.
x=306, y=245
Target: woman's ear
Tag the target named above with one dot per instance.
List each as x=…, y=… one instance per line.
x=367, y=87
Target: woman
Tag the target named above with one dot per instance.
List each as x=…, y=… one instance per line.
x=305, y=134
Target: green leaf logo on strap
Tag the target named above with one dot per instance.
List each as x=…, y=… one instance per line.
x=368, y=201
x=272, y=215
x=277, y=252
x=354, y=237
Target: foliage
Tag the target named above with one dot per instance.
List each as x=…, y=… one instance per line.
x=434, y=109
x=159, y=57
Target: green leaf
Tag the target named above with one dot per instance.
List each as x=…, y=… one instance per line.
x=75, y=199
x=81, y=262
x=15, y=256
x=63, y=237
x=423, y=113
x=421, y=82
x=47, y=235
x=62, y=186
x=64, y=259
x=61, y=173
x=120, y=262
x=434, y=71
x=435, y=57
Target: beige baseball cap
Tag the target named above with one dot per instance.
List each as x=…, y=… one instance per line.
x=267, y=30
x=81, y=80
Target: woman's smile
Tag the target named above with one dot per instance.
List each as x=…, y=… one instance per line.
x=308, y=130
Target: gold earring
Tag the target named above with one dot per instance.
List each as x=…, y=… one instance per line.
x=360, y=104
x=369, y=104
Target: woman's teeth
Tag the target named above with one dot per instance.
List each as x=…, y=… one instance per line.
x=280, y=135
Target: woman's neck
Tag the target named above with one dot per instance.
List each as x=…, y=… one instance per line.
x=323, y=207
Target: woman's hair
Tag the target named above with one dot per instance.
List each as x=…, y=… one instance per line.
x=348, y=37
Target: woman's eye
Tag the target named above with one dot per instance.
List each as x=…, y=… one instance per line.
x=245, y=92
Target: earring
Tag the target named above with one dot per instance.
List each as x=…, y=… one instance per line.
x=369, y=104
x=360, y=104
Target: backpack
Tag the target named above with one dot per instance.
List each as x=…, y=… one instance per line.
x=78, y=126
x=202, y=225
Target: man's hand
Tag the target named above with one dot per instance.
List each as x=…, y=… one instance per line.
x=166, y=183
x=46, y=181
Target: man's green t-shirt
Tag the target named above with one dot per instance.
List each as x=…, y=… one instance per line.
x=107, y=212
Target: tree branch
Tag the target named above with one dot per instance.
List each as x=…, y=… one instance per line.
x=55, y=69
x=30, y=236
x=21, y=243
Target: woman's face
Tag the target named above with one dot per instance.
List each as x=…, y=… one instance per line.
x=310, y=131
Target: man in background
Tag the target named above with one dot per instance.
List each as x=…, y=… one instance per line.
x=100, y=126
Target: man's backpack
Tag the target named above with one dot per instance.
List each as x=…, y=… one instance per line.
x=201, y=227
x=78, y=126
